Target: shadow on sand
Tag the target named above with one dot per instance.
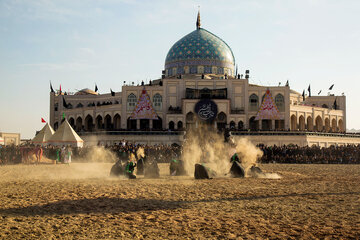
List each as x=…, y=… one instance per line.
x=96, y=205
x=121, y=205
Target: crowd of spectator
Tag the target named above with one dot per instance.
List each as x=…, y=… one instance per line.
x=349, y=154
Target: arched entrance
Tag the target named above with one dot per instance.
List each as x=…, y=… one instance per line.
x=318, y=124
x=107, y=123
x=240, y=125
x=221, y=121
x=131, y=124
x=171, y=125
x=190, y=120
x=293, y=123
x=56, y=126
x=341, y=125
x=254, y=124
x=79, y=125
x=266, y=124
x=157, y=124
x=301, y=123
x=310, y=124
x=144, y=124
x=327, y=125
x=180, y=125
x=99, y=122
x=333, y=125
x=117, y=122
x=232, y=125
x=279, y=124
x=89, y=125
x=72, y=122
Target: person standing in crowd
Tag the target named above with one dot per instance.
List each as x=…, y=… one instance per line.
x=68, y=153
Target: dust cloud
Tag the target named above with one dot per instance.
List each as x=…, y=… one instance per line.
x=206, y=146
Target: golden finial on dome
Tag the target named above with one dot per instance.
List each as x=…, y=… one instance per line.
x=198, y=24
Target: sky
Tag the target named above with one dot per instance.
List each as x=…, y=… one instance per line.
x=80, y=43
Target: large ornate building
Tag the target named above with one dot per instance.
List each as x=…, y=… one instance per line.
x=199, y=85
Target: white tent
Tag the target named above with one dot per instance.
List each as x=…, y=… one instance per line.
x=65, y=135
x=44, y=135
x=2, y=142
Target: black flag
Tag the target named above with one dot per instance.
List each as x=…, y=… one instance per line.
x=303, y=95
x=287, y=83
x=96, y=88
x=51, y=88
x=309, y=89
x=319, y=92
x=64, y=103
x=112, y=93
x=331, y=87
x=335, y=105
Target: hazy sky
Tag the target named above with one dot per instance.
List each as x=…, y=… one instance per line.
x=78, y=43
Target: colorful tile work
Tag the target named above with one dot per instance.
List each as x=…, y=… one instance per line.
x=200, y=47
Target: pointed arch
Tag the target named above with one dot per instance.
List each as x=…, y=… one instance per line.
x=107, y=122
x=327, y=125
x=79, y=123
x=318, y=124
x=293, y=123
x=117, y=122
x=89, y=123
x=301, y=123
x=99, y=122
x=310, y=123
x=334, y=125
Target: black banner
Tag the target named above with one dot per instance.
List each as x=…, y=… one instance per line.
x=206, y=110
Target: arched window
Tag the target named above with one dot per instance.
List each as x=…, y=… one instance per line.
x=240, y=125
x=171, y=125
x=131, y=101
x=180, y=125
x=280, y=103
x=253, y=102
x=232, y=125
x=157, y=101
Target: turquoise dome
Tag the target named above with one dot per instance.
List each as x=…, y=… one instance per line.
x=203, y=49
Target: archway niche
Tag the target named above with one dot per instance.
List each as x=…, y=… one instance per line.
x=318, y=124
x=79, y=124
x=333, y=125
x=171, y=125
x=221, y=121
x=157, y=124
x=117, y=122
x=341, y=125
x=89, y=125
x=301, y=123
x=180, y=125
x=310, y=124
x=293, y=124
x=253, y=124
x=99, y=122
x=240, y=125
x=107, y=122
x=327, y=125
x=131, y=124
x=232, y=125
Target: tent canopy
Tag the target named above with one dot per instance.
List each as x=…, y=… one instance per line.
x=66, y=135
x=44, y=135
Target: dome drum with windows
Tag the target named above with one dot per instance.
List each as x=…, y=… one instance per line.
x=200, y=52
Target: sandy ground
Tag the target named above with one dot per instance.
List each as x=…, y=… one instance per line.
x=80, y=201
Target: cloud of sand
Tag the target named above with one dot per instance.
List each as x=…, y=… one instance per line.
x=97, y=154
x=206, y=146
